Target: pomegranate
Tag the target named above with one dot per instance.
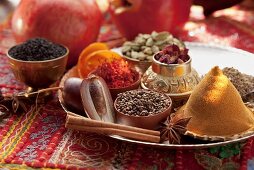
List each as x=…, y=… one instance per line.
x=144, y=16
x=72, y=23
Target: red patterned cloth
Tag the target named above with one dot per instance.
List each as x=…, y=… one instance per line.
x=40, y=140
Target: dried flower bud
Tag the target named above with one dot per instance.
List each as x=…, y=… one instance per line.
x=172, y=54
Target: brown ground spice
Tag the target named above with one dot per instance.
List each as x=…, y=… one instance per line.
x=244, y=83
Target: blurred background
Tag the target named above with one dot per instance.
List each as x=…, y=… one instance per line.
x=7, y=6
x=224, y=22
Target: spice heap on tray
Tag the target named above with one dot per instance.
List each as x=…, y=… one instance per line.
x=243, y=83
x=144, y=46
x=37, y=49
x=217, y=110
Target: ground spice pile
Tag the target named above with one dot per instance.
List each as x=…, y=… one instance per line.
x=142, y=102
x=243, y=83
x=117, y=74
x=37, y=49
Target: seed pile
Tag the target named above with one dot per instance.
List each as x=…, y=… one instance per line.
x=243, y=83
x=142, y=102
x=37, y=49
x=145, y=46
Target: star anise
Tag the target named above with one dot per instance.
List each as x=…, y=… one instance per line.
x=12, y=103
x=15, y=103
x=172, y=129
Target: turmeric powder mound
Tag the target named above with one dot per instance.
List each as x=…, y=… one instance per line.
x=216, y=108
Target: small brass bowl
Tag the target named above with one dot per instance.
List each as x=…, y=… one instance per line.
x=38, y=74
x=142, y=65
x=176, y=80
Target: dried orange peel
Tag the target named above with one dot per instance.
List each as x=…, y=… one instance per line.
x=97, y=46
x=92, y=48
x=95, y=59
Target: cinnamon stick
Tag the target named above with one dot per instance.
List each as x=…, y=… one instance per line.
x=79, y=120
x=113, y=131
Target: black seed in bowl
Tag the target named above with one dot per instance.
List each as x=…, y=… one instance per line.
x=37, y=49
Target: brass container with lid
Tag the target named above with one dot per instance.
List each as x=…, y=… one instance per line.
x=176, y=80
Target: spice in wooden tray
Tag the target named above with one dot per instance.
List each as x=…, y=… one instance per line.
x=37, y=49
x=117, y=74
x=142, y=102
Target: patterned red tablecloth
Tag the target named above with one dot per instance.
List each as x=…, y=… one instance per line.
x=40, y=140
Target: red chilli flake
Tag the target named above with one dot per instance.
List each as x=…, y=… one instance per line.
x=117, y=74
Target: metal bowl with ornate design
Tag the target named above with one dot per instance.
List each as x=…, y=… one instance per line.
x=176, y=80
x=38, y=74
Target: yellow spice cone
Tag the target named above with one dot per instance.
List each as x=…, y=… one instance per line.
x=216, y=108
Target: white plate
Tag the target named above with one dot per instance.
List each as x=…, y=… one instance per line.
x=204, y=57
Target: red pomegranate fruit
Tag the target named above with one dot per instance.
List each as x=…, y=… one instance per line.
x=74, y=24
x=144, y=16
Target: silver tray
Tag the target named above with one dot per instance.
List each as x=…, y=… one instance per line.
x=204, y=57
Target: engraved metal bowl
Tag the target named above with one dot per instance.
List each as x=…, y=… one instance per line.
x=38, y=74
x=176, y=80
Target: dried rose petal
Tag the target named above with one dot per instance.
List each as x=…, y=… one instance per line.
x=172, y=54
x=184, y=51
x=184, y=57
x=163, y=59
x=158, y=56
x=179, y=61
x=171, y=48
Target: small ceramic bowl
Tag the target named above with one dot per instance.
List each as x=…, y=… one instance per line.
x=176, y=80
x=147, y=122
x=38, y=74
